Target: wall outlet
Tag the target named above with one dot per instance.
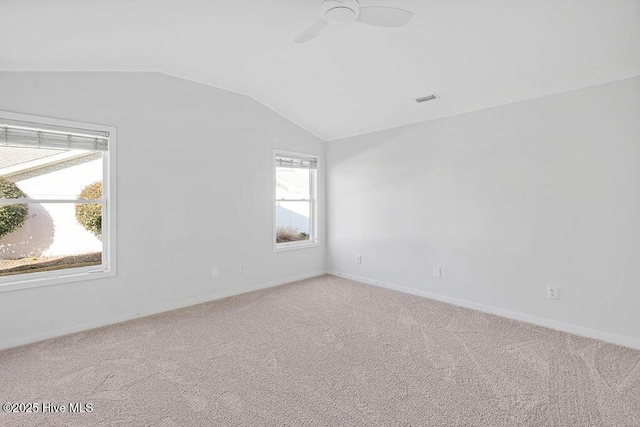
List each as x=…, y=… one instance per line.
x=552, y=292
x=437, y=272
x=359, y=259
x=242, y=268
x=214, y=272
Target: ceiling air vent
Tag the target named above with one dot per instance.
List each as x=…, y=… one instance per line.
x=431, y=97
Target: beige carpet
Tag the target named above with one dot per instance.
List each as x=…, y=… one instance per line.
x=325, y=352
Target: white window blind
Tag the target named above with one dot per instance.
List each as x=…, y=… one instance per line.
x=296, y=162
x=31, y=135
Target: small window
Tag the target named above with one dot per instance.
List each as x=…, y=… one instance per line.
x=295, y=200
x=56, y=190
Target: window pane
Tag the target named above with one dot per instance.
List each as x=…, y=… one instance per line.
x=46, y=173
x=292, y=183
x=49, y=236
x=293, y=221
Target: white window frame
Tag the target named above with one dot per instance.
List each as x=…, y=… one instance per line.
x=108, y=201
x=313, y=226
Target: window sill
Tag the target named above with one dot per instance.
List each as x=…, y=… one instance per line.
x=283, y=247
x=69, y=276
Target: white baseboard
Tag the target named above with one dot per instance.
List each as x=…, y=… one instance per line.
x=150, y=311
x=540, y=321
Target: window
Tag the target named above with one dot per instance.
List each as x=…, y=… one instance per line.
x=56, y=201
x=295, y=223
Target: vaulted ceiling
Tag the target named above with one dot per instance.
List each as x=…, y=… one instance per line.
x=473, y=53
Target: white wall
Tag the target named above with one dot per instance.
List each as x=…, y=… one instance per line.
x=507, y=201
x=179, y=145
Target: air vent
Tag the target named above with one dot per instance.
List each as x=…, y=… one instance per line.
x=431, y=97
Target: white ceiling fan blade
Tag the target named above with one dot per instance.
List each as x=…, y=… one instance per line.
x=310, y=33
x=382, y=16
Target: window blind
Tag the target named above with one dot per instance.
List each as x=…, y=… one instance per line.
x=33, y=135
x=296, y=162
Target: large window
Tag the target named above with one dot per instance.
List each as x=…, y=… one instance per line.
x=295, y=223
x=56, y=193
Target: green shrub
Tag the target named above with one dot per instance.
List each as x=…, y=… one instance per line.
x=12, y=217
x=89, y=215
x=290, y=234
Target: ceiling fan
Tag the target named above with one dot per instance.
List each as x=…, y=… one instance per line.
x=344, y=12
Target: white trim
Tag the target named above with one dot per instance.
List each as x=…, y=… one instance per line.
x=313, y=226
x=27, y=200
x=151, y=311
x=55, y=122
x=292, y=246
x=108, y=267
x=540, y=321
x=56, y=277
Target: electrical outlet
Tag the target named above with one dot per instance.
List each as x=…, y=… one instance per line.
x=359, y=259
x=241, y=268
x=437, y=272
x=552, y=292
x=214, y=272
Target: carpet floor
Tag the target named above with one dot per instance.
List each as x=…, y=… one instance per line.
x=324, y=352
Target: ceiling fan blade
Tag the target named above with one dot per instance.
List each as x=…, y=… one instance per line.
x=310, y=33
x=383, y=16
